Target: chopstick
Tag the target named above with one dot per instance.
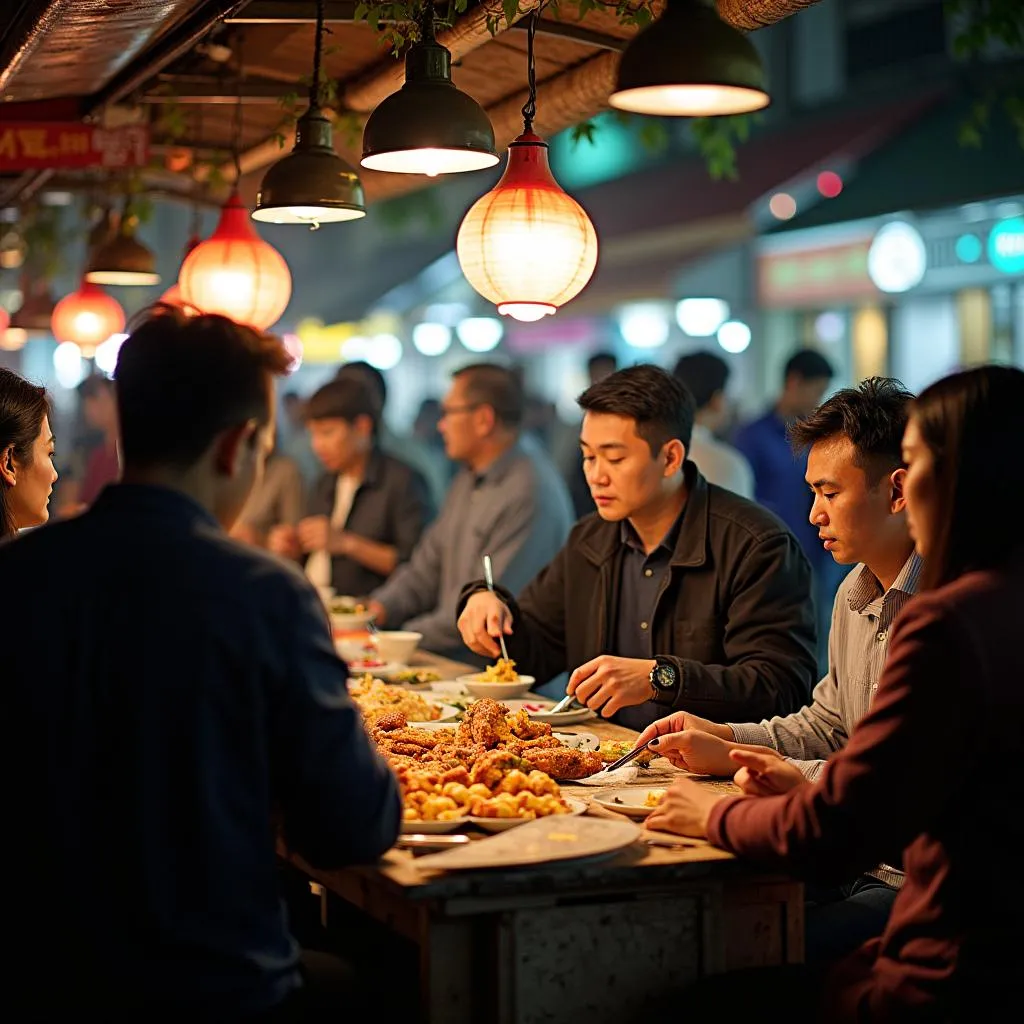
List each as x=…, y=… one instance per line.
x=626, y=758
x=489, y=578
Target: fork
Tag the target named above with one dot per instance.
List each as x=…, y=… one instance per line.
x=489, y=579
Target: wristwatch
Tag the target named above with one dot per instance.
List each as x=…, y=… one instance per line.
x=664, y=681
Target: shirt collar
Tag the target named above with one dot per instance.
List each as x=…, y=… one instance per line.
x=498, y=468
x=866, y=587
x=156, y=499
x=629, y=536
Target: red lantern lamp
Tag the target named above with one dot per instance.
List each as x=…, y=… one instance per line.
x=87, y=317
x=527, y=245
x=235, y=273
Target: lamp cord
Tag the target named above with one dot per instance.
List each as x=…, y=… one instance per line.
x=236, y=142
x=530, y=106
x=314, y=87
x=427, y=22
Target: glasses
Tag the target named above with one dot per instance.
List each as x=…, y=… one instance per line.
x=451, y=410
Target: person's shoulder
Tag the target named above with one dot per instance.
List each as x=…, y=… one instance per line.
x=398, y=471
x=730, y=510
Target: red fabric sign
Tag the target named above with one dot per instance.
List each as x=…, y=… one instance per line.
x=34, y=145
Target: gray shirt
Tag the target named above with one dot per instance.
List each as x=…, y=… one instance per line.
x=858, y=644
x=517, y=511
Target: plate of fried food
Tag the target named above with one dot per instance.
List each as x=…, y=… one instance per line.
x=376, y=699
x=612, y=750
x=635, y=801
x=540, y=711
x=499, y=681
x=348, y=614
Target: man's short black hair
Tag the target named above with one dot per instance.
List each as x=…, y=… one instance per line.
x=704, y=373
x=95, y=384
x=497, y=386
x=662, y=406
x=182, y=380
x=362, y=370
x=344, y=398
x=809, y=365
x=872, y=415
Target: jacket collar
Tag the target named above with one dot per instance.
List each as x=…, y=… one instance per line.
x=603, y=540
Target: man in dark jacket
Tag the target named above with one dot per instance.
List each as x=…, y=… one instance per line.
x=676, y=594
x=176, y=703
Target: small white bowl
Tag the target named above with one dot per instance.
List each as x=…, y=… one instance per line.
x=477, y=687
x=397, y=646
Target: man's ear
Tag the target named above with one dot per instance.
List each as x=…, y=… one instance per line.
x=674, y=454
x=7, y=470
x=230, y=445
x=897, y=497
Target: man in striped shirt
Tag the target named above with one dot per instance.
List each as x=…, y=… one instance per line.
x=855, y=471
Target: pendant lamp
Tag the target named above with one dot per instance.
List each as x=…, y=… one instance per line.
x=690, y=63
x=87, y=317
x=526, y=245
x=173, y=297
x=36, y=309
x=312, y=185
x=122, y=259
x=235, y=273
x=428, y=126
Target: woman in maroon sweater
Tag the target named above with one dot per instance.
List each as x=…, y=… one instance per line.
x=931, y=769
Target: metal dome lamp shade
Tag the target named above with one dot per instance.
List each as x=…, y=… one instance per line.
x=235, y=273
x=312, y=185
x=526, y=245
x=690, y=63
x=429, y=126
x=87, y=317
x=36, y=309
x=122, y=259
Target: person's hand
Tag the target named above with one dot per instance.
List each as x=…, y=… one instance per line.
x=314, y=533
x=684, y=809
x=284, y=541
x=764, y=772
x=679, y=721
x=484, y=617
x=607, y=684
x=695, y=751
x=378, y=611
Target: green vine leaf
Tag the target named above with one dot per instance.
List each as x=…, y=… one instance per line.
x=584, y=132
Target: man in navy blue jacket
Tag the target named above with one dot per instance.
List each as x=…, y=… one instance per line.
x=174, y=702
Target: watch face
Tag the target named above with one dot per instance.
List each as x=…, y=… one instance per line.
x=664, y=677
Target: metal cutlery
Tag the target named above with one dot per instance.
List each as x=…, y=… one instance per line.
x=489, y=580
x=626, y=758
x=564, y=704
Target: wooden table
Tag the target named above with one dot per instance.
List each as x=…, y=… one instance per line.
x=594, y=942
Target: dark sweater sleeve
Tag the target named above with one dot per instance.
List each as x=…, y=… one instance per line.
x=857, y=812
x=339, y=800
x=769, y=640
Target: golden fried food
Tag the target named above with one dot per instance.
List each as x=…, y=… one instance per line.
x=376, y=700
x=653, y=797
x=485, y=723
x=612, y=750
x=489, y=769
x=502, y=671
x=563, y=762
x=525, y=728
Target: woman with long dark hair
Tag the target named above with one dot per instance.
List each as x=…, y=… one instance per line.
x=27, y=475
x=930, y=769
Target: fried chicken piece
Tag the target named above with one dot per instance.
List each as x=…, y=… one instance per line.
x=484, y=723
x=563, y=762
x=489, y=769
x=417, y=737
x=540, y=743
x=525, y=728
x=459, y=775
x=390, y=721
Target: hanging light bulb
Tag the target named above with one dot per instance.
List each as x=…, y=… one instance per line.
x=312, y=185
x=87, y=317
x=235, y=273
x=526, y=245
x=690, y=63
x=428, y=126
x=122, y=259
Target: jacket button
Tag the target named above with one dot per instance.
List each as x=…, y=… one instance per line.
x=648, y=572
x=643, y=625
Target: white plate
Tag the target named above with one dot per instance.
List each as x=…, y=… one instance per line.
x=555, y=838
x=385, y=671
x=433, y=827
x=443, y=723
x=539, y=710
x=350, y=622
x=448, y=714
x=578, y=740
x=630, y=800
x=449, y=688
x=480, y=687
x=576, y=806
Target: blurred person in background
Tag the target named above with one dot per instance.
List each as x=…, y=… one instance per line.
x=184, y=706
x=779, y=473
x=276, y=500
x=507, y=502
x=927, y=771
x=599, y=366
x=102, y=465
x=293, y=439
x=27, y=475
x=425, y=458
x=706, y=375
x=367, y=510
x=675, y=594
